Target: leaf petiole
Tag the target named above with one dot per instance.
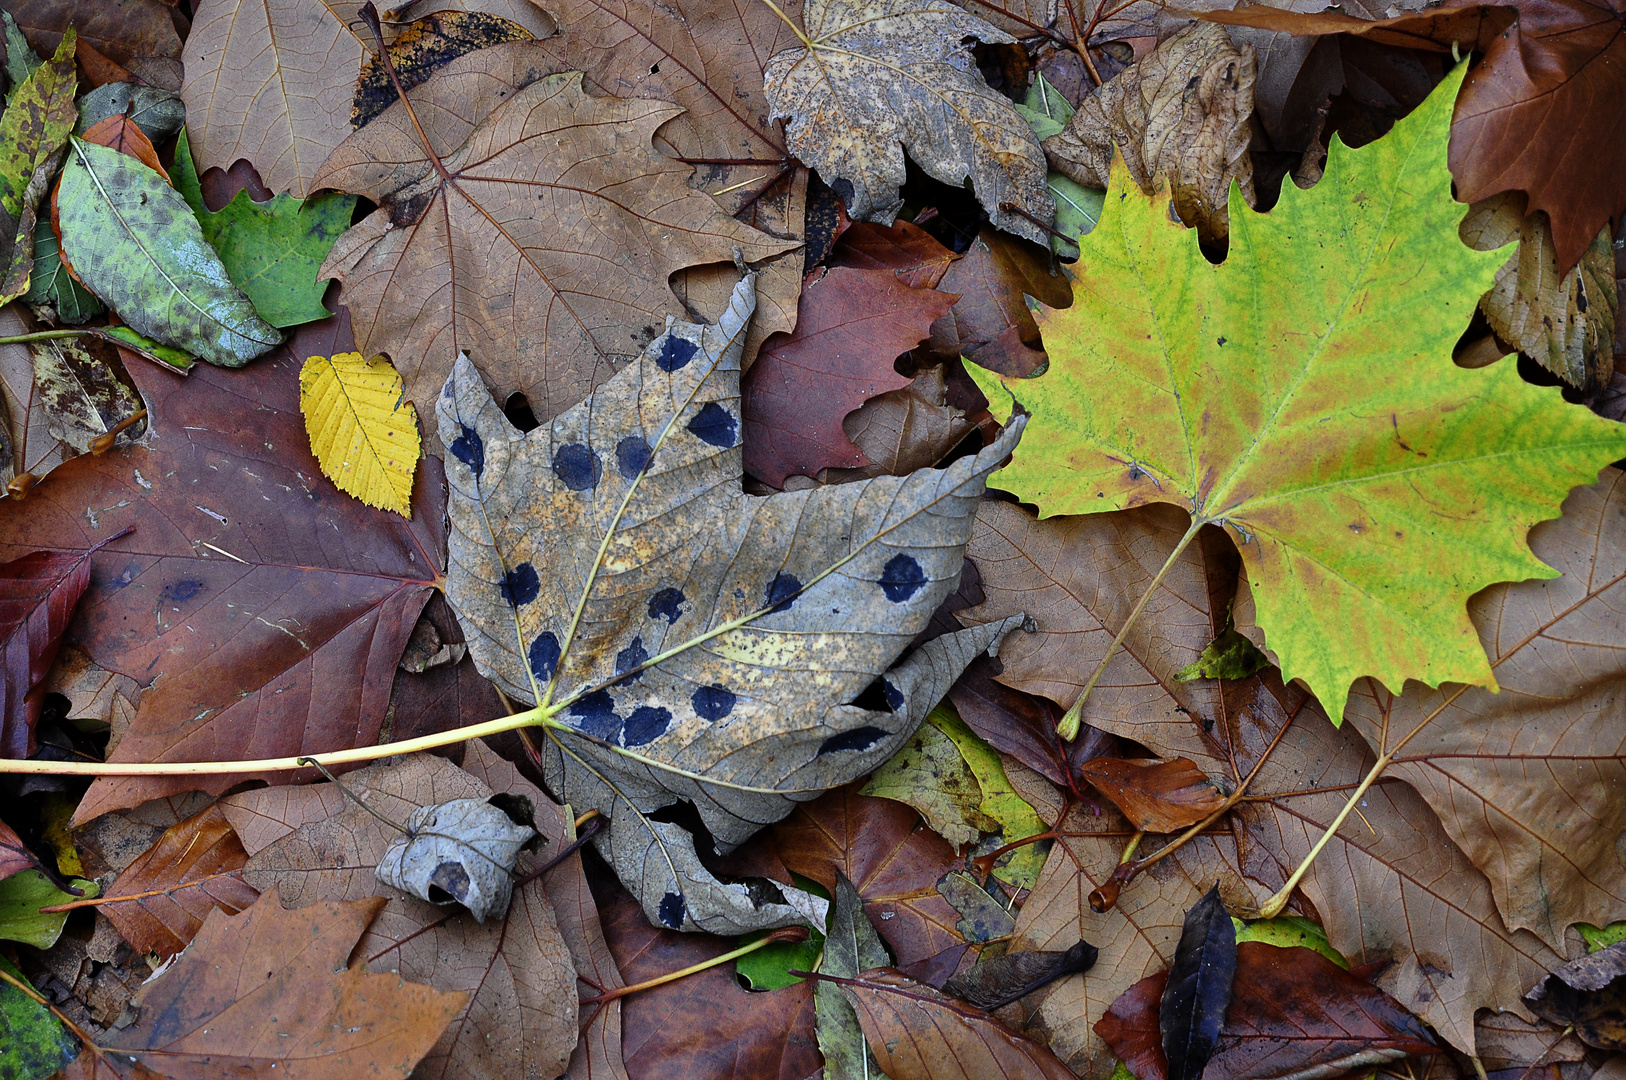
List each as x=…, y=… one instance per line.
x=787, y=934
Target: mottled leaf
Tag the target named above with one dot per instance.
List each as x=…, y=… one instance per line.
x=983, y=915
x=158, y=112
x=423, y=48
x=877, y=79
x=695, y=601
x=133, y=241
x=929, y=774
x=38, y=118
x=86, y=403
x=852, y=947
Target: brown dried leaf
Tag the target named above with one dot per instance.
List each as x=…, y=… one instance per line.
x=902, y=430
x=1156, y=796
x=851, y=325
x=1567, y=324
x=118, y=30
x=917, y=1032
x=313, y=846
x=544, y=255
x=1181, y=116
x=270, y=988
x=194, y=863
x=1588, y=994
x=28, y=445
x=1529, y=781
x=878, y=78
x=992, y=318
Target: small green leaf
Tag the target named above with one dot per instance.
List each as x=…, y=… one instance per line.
x=1078, y=208
x=769, y=967
x=1596, y=938
x=1287, y=931
x=1229, y=656
x=133, y=241
x=272, y=250
x=21, y=897
x=51, y=283
x=1016, y=818
x=33, y=1043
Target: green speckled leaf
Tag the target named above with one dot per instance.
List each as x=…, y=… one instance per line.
x=51, y=283
x=1302, y=394
x=33, y=1043
x=133, y=241
x=272, y=250
x=751, y=641
x=39, y=115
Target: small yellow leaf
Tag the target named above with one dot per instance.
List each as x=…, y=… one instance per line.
x=363, y=435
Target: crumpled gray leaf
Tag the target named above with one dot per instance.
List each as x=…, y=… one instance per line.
x=885, y=76
x=750, y=641
x=852, y=947
x=159, y=113
x=1181, y=115
x=460, y=851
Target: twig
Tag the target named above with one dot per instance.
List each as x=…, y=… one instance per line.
x=787, y=934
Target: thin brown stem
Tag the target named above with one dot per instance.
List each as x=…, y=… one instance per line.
x=787, y=934
x=369, y=15
x=98, y=901
x=1012, y=208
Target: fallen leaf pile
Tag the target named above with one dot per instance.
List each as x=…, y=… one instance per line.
x=970, y=539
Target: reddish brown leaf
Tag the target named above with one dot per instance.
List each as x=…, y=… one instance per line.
x=1156, y=796
x=909, y=251
x=265, y=608
x=996, y=328
x=895, y=863
x=1540, y=113
x=1291, y=1011
x=119, y=29
x=37, y=597
x=14, y=854
x=120, y=133
x=917, y=1032
x=192, y=868
x=705, y=1026
x=851, y=325
x=270, y=990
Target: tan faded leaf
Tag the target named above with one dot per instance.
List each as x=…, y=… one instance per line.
x=545, y=252
x=193, y=869
x=906, y=429
x=93, y=692
x=754, y=643
x=269, y=81
x=1567, y=324
x=28, y=445
x=877, y=78
x=1079, y=577
x=1531, y=781
x=1181, y=116
x=707, y=56
x=313, y=846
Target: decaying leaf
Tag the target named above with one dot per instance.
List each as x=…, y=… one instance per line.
x=1192, y=1009
x=995, y=983
x=270, y=82
x=877, y=79
x=851, y=325
x=461, y=851
x=38, y=118
x=191, y=871
x=1156, y=796
x=272, y=249
x=1588, y=994
x=1179, y=116
x=902, y=430
x=917, y=1032
x=627, y=510
x=362, y=433
x=33, y=1043
x=38, y=593
x=427, y=45
x=572, y=282
x=273, y=606
x=852, y=947
x=158, y=112
x=1567, y=324
x=51, y=286
x=314, y=846
x=88, y=407
x=271, y=987
x=929, y=774
x=1527, y=781
x=983, y=915
x=119, y=30
x=1336, y=486
x=1229, y=656
x=134, y=242
x=992, y=319
x=1293, y=1013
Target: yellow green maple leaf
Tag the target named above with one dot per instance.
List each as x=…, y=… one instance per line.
x=364, y=436
x=1302, y=394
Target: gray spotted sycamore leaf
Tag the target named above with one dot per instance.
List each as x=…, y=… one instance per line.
x=753, y=642
x=461, y=851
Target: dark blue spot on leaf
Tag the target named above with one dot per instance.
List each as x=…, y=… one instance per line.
x=715, y=425
x=782, y=592
x=713, y=702
x=520, y=585
x=577, y=467
x=595, y=714
x=470, y=449
x=894, y=696
x=675, y=353
x=857, y=739
x=631, y=455
x=646, y=724
x=544, y=656
x=879, y=696
x=672, y=910
x=667, y=604
x=182, y=591
x=901, y=578
x=630, y=658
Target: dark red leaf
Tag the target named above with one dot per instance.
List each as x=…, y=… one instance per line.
x=37, y=597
